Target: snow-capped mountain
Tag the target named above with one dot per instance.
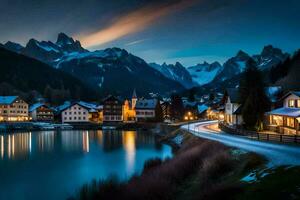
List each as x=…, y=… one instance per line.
x=205, y=72
x=112, y=70
x=49, y=52
x=116, y=70
x=175, y=72
x=233, y=66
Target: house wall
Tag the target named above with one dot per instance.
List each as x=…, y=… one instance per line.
x=17, y=111
x=42, y=114
x=145, y=114
x=75, y=113
x=230, y=118
x=291, y=97
x=112, y=111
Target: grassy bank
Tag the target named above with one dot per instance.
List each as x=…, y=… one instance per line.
x=201, y=169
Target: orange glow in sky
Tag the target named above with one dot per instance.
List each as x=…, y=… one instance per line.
x=133, y=22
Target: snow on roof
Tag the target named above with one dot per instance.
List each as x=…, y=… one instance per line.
x=202, y=108
x=146, y=104
x=93, y=107
x=35, y=106
x=290, y=112
x=7, y=99
x=64, y=106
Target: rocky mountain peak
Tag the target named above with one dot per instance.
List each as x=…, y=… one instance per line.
x=64, y=39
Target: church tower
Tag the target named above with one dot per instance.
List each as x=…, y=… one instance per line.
x=134, y=99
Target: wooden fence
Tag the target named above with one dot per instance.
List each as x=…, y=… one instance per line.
x=261, y=136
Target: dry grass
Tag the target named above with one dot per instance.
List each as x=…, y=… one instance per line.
x=160, y=179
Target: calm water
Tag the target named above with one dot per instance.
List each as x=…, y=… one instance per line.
x=54, y=165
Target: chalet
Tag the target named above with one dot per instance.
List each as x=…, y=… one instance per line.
x=41, y=112
x=285, y=120
x=233, y=108
x=112, y=109
x=81, y=112
x=13, y=108
x=147, y=109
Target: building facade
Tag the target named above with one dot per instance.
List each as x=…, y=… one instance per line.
x=232, y=115
x=81, y=112
x=13, y=109
x=41, y=112
x=112, y=109
x=285, y=120
x=147, y=109
x=129, y=114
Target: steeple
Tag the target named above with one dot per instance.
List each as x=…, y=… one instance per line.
x=134, y=99
x=134, y=96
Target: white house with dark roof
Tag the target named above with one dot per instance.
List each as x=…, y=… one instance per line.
x=286, y=119
x=13, y=108
x=146, y=109
x=80, y=112
x=232, y=115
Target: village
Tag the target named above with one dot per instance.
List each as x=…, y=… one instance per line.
x=283, y=116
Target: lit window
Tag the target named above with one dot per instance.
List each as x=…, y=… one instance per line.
x=290, y=122
x=291, y=103
x=298, y=103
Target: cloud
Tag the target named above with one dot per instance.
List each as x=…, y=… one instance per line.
x=133, y=22
x=135, y=42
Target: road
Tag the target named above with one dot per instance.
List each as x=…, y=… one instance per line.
x=277, y=154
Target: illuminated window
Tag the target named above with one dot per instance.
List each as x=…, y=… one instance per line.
x=298, y=103
x=277, y=120
x=290, y=122
x=291, y=103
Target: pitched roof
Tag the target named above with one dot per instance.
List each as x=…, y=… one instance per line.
x=7, y=99
x=91, y=106
x=36, y=106
x=146, y=104
x=64, y=106
x=202, y=108
x=134, y=96
x=297, y=93
x=290, y=112
x=111, y=98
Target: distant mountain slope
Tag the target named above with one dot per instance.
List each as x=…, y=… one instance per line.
x=111, y=70
x=175, y=72
x=204, y=73
x=230, y=75
x=115, y=70
x=292, y=80
x=27, y=74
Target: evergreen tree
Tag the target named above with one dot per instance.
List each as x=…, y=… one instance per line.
x=177, y=108
x=252, y=96
x=192, y=93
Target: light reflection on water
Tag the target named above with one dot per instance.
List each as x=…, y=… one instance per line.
x=52, y=165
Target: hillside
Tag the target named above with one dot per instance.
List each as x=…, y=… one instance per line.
x=25, y=74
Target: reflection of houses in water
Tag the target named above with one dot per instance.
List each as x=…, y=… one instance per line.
x=129, y=141
x=73, y=141
x=85, y=141
x=15, y=146
x=46, y=141
x=112, y=139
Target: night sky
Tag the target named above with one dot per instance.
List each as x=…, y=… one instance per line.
x=189, y=31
